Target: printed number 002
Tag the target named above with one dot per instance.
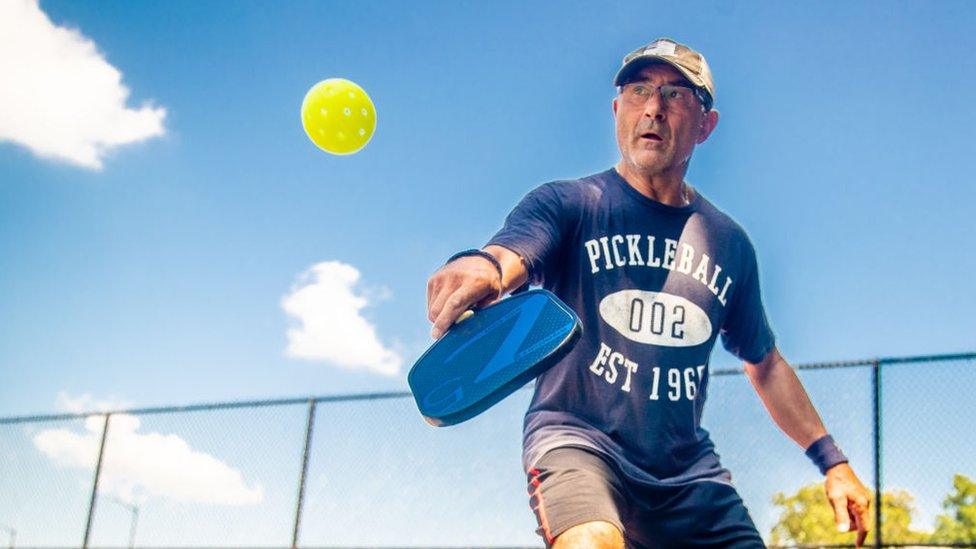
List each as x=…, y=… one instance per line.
x=656, y=318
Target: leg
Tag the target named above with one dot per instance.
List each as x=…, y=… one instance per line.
x=590, y=535
x=576, y=498
x=700, y=514
x=731, y=526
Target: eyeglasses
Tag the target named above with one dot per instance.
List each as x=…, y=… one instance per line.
x=672, y=96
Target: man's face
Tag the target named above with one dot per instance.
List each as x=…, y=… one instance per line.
x=655, y=137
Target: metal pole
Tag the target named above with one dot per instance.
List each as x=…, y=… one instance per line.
x=132, y=529
x=98, y=474
x=12, y=532
x=301, y=482
x=134, y=509
x=876, y=389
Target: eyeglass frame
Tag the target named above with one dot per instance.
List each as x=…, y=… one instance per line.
x=699, y=94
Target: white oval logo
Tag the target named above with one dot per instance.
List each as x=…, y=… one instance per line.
x=656, y=318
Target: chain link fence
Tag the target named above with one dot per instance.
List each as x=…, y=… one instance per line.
x=366, y=471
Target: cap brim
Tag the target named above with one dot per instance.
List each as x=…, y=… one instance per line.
x=644, y=60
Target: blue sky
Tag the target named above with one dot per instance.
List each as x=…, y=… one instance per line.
x=152, y=242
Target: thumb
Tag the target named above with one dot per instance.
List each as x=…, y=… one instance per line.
x=489, y=299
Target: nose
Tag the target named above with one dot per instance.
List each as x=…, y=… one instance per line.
x=654, y=106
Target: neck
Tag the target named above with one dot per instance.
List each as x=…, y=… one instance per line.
x=666, y=187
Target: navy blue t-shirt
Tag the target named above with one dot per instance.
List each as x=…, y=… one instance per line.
x=654, y=286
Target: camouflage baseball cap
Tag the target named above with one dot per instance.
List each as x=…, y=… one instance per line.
x=688, y=61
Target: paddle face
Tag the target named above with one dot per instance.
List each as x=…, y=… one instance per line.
x=483, y=359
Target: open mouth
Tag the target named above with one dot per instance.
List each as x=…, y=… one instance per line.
x=651, y=136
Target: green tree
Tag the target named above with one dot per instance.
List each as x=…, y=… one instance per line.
x=959, y=523
x=807, y=518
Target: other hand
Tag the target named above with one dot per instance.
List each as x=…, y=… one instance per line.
x=851, y=501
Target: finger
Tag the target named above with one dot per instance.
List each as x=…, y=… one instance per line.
x=861, y=520
x=432, y=291
x=431, y=286
x=464, y=316
x=492, y=297
x=453, y=307
x=442, y=293
x=841, y=515
x=456, y=304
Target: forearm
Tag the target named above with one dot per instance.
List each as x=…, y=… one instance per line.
x=785, y=399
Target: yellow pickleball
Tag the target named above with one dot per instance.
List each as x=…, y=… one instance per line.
x=338, y=116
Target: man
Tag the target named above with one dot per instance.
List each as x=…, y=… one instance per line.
x=613, y=446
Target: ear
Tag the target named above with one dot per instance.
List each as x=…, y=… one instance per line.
x=615, y=106
x=708, y=124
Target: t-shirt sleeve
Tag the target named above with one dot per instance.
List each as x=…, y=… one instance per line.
x=534, y=229
x=746, y=332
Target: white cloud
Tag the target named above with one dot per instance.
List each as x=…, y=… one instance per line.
x=60, y=98
x=331, y=325
x=137, y=466
x=86, y=403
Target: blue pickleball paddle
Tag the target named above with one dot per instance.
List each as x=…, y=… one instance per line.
x=485, y=358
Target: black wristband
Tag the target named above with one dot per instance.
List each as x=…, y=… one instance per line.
x=480, y=253
x=825, y=454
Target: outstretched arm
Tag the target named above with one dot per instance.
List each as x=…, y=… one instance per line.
x=790, y=407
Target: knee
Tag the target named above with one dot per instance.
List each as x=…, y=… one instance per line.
x=590, y=535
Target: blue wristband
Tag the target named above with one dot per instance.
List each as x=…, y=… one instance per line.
x=479, y=253
x=825, y=454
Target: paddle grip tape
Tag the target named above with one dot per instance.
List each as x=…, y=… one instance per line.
x=825, y=454
x=480, y=253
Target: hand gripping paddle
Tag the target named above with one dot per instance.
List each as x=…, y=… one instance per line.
x=485, y=358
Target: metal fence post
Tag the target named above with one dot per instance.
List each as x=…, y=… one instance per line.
x=98, y=474
x=12, y=533
x=876, y=389
x=301, y=481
